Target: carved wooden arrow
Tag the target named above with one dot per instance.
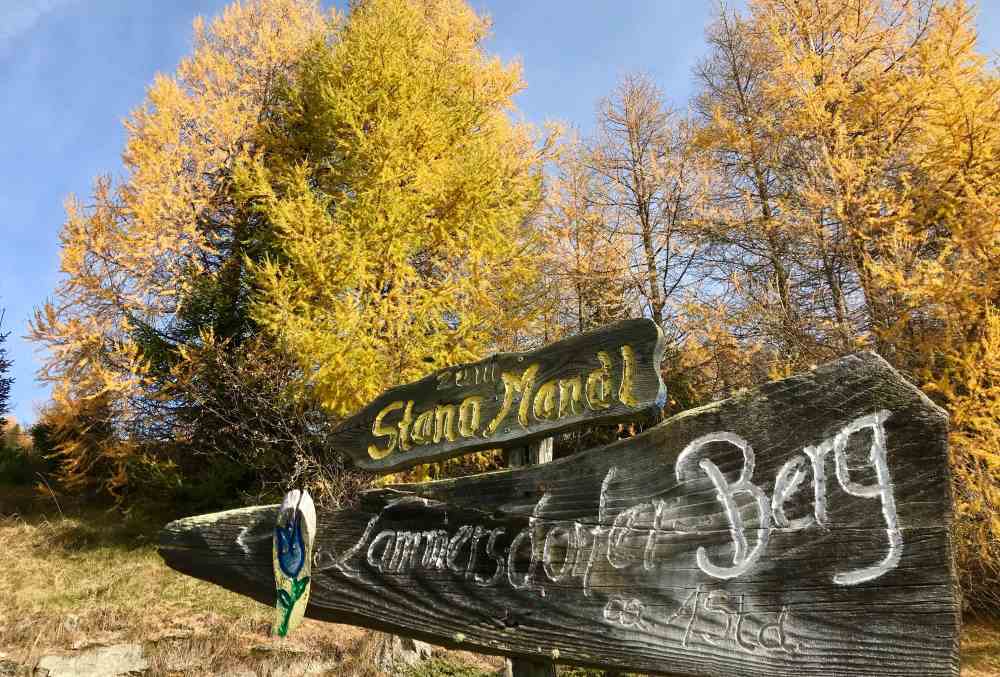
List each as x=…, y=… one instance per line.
x=610, y=374
x=802, y=528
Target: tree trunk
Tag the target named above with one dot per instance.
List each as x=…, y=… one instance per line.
x=656, y=301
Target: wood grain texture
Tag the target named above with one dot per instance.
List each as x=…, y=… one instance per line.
x=537, y=452
x=623, y=557
x=510, y=399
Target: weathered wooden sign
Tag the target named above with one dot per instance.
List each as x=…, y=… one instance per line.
x=799, y=529
x=612, y=374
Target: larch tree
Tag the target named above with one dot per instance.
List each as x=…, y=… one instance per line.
x=622, y=209
x=850, y=74
x=781, y=282
x=748, y=306
x=882, y=127
x=400, y=193
x=741, y=131
x=939, y=255
x=155, y=285
x=647, y=184
x=897, y=116
x=587, y=264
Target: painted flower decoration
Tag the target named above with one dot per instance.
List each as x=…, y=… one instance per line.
x=286, y=602
x=291, y=548
x=294, y=534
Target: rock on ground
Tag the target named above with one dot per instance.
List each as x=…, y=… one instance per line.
x=105, y=661
x=395, y=651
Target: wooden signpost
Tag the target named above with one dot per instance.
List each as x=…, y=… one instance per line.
x=802, y=528
x=511, y=399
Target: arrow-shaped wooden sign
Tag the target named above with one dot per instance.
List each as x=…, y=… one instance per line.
x=508, y=399
x=803, y=528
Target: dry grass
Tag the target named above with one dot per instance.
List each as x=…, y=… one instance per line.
x=91, y=577
x=981, y=648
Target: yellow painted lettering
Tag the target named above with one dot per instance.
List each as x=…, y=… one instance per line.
x=514, y=384
x=468, y=415
x=544, y=406
x=599, y=383
x=404, y=427
x=570, y=396
x=625, y=393
x=378, y=430
x=510, y=385
x=423, y=428
x=444, y=423
x=527, y=385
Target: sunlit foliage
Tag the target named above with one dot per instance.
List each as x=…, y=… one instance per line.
x=858, y=145
x=156, y=263
x=400, y=198
x=317, y=208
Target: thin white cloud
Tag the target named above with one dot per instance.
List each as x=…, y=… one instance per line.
x=20, y=16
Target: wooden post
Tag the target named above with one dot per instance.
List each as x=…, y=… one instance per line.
x=534, y=454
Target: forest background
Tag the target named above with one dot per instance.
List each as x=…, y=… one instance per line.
x=320, y=205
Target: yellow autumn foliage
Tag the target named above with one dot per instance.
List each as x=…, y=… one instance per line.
x=586, y=272
x=400, y=192
x=355, y=193
x=857, y=146
x=132, y=256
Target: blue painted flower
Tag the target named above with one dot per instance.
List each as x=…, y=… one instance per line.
x=291, y=548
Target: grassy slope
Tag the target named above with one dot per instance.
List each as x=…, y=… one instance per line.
x=87, y=577
x=74, y=578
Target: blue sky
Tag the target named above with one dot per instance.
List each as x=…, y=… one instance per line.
x=71, y=70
